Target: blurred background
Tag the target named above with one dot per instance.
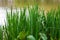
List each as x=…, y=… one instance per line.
x=46, y=4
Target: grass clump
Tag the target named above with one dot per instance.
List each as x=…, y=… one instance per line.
x=36, y=26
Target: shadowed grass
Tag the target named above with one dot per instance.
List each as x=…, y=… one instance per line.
x=1, y=33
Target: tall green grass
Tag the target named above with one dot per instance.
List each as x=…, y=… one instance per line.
x=1, y=33
x=35, y=26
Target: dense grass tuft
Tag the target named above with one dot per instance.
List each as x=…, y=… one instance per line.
x=35, y=26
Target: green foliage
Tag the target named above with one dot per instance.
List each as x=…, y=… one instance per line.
x=31, y=37
x=43, y=36
x=35, y=26
x=1, y=33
